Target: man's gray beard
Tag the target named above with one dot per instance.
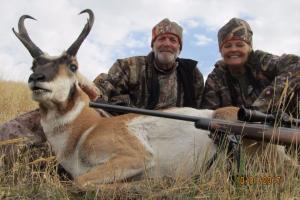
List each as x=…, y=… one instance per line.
x=166, y=58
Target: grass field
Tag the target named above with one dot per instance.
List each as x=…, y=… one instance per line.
x=15, y=99
x=34, y=171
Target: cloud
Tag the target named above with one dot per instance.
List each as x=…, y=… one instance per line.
x=202, y=40
x=120, y=32
x=192, y=23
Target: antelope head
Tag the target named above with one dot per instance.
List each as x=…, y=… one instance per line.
x=54, y=79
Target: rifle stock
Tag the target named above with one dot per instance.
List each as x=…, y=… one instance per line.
x=256, y=131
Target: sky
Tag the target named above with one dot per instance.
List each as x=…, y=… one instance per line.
x=122, y=28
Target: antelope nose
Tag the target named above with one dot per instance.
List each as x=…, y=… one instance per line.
x=35, y=77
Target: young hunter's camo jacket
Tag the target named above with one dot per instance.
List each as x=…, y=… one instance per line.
x=268, y=83
x=127, y=84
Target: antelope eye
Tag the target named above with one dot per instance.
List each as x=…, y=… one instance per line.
x=73, y=67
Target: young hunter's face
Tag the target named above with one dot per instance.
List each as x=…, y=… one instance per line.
x=166, y=48
x=235, y=53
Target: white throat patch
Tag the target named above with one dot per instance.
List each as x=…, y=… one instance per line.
x=54, y=120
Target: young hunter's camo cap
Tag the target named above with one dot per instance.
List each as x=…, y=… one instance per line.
x=235, y=29
x=166, y=26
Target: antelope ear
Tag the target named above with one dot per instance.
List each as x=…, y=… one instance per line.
x=88, y=87
x=92, y=92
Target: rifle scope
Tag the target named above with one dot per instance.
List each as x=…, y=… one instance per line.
x=248, y=115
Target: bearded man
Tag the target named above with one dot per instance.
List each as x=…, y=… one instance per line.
x=158, y=80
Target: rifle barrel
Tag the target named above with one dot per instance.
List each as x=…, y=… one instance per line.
x=123, y=109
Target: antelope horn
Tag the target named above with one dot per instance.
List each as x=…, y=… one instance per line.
x=88, y=26
x=23, y=36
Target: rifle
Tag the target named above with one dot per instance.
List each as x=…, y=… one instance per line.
x=254, y=130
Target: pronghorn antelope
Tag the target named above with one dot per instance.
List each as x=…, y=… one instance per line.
x=94, y=149
x=98, y=150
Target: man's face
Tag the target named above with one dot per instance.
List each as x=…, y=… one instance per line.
x=235, y=52
x=166, y=48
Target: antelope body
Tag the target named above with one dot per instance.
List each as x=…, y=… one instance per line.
x=95, y=149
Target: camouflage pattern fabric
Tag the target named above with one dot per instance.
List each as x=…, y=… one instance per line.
x=166, y=26
x=28, y=129
x=283, y=94
x=25, y=125
x=127, y=84
x=235, y=29
x=272, y=81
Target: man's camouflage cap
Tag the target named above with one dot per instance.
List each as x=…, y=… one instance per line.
x=166, y=26
x=235, y=29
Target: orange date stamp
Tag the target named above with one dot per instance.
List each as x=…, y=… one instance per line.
x=262, y=180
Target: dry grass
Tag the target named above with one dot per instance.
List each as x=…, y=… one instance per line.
x=15, y=99
x=39, y=179
x=35, y=174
